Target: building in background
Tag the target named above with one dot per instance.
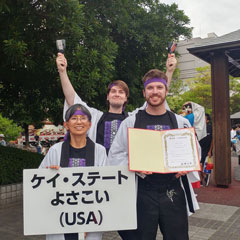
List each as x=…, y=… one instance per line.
x=187, y=63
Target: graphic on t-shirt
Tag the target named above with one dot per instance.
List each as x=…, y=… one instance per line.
x=110, y=131
x=158, y=127
x=77, y=162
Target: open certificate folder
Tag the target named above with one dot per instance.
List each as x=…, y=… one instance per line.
x=163, y=151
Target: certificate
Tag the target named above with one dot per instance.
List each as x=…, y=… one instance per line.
x=164, y=151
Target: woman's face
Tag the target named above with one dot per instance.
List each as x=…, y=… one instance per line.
x=78, y=125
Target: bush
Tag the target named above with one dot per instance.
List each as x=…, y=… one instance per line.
x=13, y=161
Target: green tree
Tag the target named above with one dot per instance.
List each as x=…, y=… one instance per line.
x=106, y=40
x=174, y=93
x=141, y=31
x=234, y=95
x=30, y=90
x=197, y=89
x=10, y=129
x=200, y=89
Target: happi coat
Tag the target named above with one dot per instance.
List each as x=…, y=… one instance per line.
x=118, y=154
x=53, y=157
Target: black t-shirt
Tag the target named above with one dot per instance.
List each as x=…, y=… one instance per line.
x=156, y=122
x=107, y=128
x=77, y=158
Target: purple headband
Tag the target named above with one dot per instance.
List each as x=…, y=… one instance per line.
x=164, y=81
x=112, y=85
x=79, y=112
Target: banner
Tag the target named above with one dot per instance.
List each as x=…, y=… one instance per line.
x=83, y=199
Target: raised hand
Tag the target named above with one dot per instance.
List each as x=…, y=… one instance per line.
x=171, y=63
x=61, y=62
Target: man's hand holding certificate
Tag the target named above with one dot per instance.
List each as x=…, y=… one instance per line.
x=163, y=151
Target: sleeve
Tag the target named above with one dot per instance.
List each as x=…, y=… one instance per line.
x=118, y=154
x=184, y=123
x=100, y=155
x=199, y=120
x=52, y=157
x=166, y=106
x=194, y=199
x=193, y=177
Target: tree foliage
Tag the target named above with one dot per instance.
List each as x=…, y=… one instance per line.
x=198, y=90
x=234, y=95
x=27, y=45
x=105, y=40
x=142, y=30
x=9, y=128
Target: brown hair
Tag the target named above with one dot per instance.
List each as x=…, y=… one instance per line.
x=154, y=73
x=120, y=84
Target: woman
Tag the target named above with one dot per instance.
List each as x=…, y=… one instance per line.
x=76, y=151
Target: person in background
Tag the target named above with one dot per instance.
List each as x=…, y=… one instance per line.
x=206, y=144
x=2, y=141
x=195, y=114
x=237, y=144
x=60, y=139
x=233, y=135
x=38, y=145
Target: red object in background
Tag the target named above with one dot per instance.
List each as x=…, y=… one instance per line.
x=171, y=47
x=196, y=184
x=209, y=166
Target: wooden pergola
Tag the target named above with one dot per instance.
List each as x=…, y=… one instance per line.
x=223, y=53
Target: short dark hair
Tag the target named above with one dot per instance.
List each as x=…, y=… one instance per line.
x=73, y=108
x=59, y=139
x=188, y=104
x=208, y=117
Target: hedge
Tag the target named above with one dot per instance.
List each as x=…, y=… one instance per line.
x=13, y=161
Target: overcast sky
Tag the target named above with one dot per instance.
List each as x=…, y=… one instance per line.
x=219, y=16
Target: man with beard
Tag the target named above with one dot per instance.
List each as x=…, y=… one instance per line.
x=155, y=206
x=104, y=124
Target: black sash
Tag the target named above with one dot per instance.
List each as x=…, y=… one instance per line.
x=90, y=153
x=174, y=123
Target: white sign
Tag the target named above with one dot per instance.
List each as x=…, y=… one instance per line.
x=83, y=199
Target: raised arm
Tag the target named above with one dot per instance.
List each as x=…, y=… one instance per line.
x=67, y=87
x=171, y=66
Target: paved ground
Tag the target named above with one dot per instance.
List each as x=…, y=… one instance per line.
x=226, y=196
x=213, y=221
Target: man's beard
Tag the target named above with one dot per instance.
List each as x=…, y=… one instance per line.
x=116, y=105
x=162, y=100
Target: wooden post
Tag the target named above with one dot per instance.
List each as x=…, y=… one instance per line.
x=221, y=119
